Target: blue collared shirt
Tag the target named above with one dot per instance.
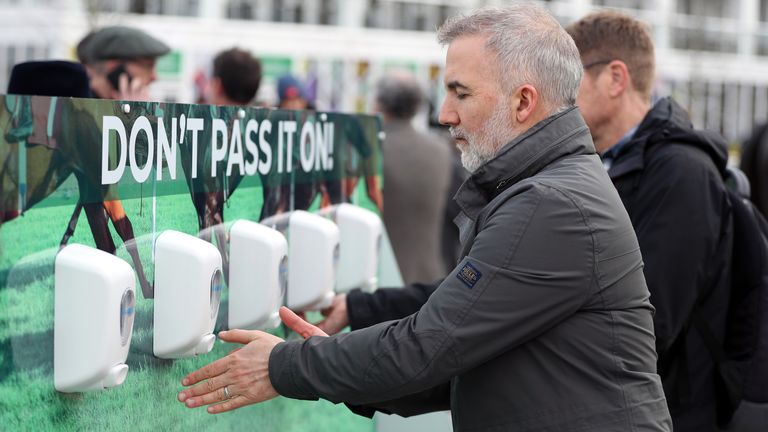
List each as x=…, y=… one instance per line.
x=611, y=153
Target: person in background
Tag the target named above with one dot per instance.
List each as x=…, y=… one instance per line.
x=291, y=94
x=236, y=78
x=277, y=193
x=546, y=323
x=332, y=187
x=417, y=168
x=120, y=62
x=670, y=178
x=234, y=82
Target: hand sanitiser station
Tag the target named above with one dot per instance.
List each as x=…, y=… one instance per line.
x=93, y=319
x=188, y=284
x=313, y=254
x=360, y=232
x=258, y=275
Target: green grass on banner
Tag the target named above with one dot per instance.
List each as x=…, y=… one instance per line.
x=147, y=399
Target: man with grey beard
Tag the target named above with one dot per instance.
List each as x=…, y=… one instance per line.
x=545, y=324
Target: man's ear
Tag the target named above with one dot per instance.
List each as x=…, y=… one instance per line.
x=525, y=101
x=620, y=80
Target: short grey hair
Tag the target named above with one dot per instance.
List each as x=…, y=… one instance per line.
x=531, y=47
x=399, y=95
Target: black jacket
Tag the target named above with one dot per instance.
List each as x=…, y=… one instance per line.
x=669, y=177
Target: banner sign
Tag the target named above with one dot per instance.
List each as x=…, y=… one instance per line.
x=173, y=148
x=114, y=176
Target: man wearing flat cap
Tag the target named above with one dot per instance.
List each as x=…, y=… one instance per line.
x=120, y=62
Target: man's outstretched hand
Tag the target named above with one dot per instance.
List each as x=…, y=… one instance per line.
x=242, y=377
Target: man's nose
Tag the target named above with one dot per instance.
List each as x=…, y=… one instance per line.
x=448, y=115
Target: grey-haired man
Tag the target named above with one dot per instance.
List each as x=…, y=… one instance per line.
x=545, y=324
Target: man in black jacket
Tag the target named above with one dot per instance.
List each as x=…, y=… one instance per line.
x=669, y=177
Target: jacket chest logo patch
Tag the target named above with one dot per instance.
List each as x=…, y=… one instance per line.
x=469, y=275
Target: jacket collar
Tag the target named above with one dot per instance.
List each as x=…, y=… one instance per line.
x=556, y=136
x=667, y=121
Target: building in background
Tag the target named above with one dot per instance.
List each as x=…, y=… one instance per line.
x=712, y=54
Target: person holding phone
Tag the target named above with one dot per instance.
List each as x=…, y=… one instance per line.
x=120, y=62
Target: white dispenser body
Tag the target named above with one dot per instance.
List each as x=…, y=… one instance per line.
x=95, y=296
x=258, y=275
x=360, y=233
x=188, y=285
x=313, y=254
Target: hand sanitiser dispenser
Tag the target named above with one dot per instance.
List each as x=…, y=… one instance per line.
x=313, y=254
x=93, y=319
x=258, y=275
x=188, y=284
x=360, y=232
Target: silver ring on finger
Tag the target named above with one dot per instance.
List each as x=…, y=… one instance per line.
x=226, y=393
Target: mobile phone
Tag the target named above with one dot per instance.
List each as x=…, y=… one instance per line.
x=114, y=76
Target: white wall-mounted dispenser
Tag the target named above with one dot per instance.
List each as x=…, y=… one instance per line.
x=95, y=295
x=258, y=275
x=360, y=233
x=188, y=285
x=313, y=254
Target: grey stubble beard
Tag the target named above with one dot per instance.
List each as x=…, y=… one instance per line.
x=483, y=145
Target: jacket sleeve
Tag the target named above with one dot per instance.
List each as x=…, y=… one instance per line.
x=385, y=304
x=677, y=213
x=430, y=400
x=529, y=268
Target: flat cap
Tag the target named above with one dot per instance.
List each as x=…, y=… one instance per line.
x=119, y=42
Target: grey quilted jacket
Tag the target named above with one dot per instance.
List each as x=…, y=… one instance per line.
x=544, y=325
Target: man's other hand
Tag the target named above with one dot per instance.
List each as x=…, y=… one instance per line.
x=299, y=325
x=336, y=317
